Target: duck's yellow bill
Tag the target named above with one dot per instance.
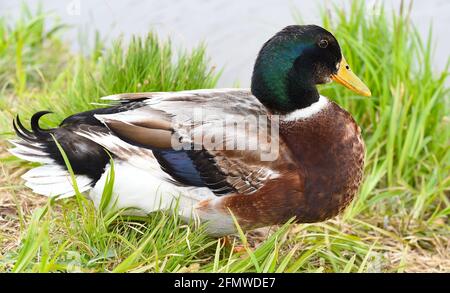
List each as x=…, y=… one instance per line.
x=347, y=78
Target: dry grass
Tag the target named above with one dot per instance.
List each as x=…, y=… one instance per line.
x=402, y=252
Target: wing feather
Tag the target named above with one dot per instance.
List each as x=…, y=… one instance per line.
x=190, y=117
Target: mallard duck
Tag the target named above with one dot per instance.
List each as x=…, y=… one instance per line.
x=303, y=159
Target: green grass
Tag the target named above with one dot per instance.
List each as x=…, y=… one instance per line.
x=399, y=222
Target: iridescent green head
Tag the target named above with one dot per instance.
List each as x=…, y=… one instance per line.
x=292, y=63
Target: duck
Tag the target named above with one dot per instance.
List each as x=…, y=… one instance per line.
x=259, y=157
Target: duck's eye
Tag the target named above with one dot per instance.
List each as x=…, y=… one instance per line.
x=323, y=43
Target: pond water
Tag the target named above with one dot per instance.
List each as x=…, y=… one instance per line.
x=233, y=30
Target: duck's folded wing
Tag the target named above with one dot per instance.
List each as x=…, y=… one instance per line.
x=220, y=139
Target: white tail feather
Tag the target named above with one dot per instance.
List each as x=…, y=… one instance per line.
x=24, y=154
x=45, y=171
x=50, y=179
x=34, y=149
x=53, y=180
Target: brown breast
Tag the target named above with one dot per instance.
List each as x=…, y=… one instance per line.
x=321, y=169
x=330, y=152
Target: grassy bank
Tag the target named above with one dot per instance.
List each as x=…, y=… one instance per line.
x=400, y=221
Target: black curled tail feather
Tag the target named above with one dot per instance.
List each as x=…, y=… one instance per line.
x=85, y=156
x=37, y=133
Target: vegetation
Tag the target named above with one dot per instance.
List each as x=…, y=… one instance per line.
x=399, y=222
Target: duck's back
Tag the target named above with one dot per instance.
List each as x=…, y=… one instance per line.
x=204, y=145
